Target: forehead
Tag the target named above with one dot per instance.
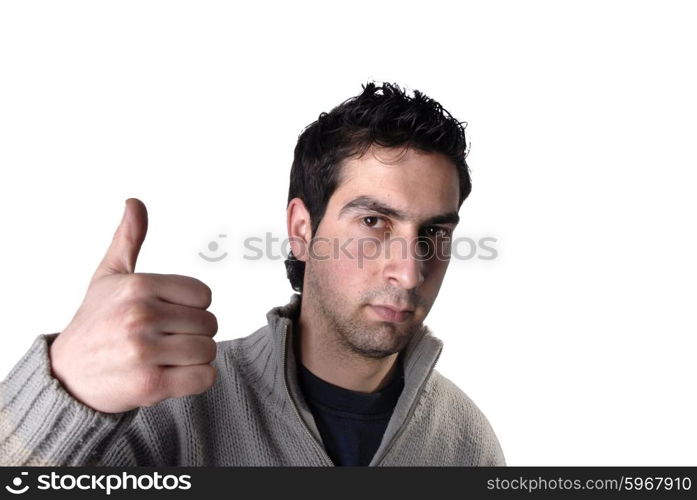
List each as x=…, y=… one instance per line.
x=415, y=182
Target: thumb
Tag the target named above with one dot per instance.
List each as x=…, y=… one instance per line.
x=123, y=252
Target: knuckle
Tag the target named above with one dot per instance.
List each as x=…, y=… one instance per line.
x=206, y=293
x=211, y=350
x=138, y=317
x=199, y=289
x=211, y=323
x=148, y=387
x=203, y=291
x=137, y=285
x=137, y=352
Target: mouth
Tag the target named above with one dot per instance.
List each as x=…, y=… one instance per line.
x=391, y=313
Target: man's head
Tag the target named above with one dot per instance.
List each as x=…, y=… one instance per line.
x=375, y=189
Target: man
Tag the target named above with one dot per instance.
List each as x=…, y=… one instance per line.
x=342, y=375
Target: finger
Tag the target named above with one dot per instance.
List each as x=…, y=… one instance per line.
x=177, y=319
x=185, y=350
x=181, y=290
x=122, y=254
x=186, y=380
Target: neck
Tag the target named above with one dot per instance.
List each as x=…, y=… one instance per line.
x=335, y=363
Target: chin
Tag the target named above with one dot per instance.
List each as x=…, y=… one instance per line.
x=392, y=338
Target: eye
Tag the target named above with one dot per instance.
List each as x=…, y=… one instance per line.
x=373, y=222
x=437, y=232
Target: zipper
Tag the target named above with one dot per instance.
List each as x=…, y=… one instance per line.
x=412, y=408
x=318, y=446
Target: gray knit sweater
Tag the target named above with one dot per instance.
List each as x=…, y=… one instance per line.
x=254, y=415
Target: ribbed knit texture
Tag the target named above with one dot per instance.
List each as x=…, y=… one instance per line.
x=254, y=415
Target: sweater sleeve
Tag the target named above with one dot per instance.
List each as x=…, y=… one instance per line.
x=41, y=424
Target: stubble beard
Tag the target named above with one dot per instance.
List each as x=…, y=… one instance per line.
x=357, y=335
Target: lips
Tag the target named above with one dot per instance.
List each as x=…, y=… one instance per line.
x=391, y=313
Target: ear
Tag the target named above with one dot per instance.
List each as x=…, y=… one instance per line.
x=299, y=228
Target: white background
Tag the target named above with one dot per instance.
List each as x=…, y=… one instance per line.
x=578, y=342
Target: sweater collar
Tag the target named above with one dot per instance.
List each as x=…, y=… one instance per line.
x=419, y=359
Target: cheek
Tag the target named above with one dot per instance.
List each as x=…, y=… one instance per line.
x=438, y=267
x=357, y=260
x=348, y=265
x=434, y=274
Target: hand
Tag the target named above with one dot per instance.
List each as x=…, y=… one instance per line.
x=137, y=338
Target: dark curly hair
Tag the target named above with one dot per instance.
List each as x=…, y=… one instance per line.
x=383, y=115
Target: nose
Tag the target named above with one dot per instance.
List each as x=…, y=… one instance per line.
x=403, y=266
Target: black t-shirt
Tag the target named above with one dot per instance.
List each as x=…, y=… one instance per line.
x=351, y=423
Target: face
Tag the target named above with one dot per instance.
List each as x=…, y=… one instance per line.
x=383, y=241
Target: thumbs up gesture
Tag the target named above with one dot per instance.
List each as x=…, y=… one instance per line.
x=137, y=338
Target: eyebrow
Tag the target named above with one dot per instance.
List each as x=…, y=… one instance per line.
x=373, y=205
